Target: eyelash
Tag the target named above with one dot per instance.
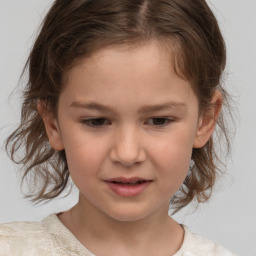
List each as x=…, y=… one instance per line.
x=103, y=120
x=88, y=122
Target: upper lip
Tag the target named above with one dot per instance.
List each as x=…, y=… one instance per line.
x=127, y=180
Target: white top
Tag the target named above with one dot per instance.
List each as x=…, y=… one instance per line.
x=51, y=237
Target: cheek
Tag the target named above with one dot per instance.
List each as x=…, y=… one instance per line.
x=83, y=156
x=83, y=167
x=173, y=155
x=172, y=169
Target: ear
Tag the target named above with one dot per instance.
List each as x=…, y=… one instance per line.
x=207, y=121
x=51, y=126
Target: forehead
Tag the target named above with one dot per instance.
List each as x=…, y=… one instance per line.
x=146, y=57
x=155, y=48
x=127, y=76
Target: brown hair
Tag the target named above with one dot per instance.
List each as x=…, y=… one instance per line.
x=73, y=29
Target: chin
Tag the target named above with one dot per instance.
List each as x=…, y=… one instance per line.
x=128, y=215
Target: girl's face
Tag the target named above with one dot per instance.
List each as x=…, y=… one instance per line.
x=128, y=124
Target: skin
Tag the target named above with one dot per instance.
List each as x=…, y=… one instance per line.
x=128, y=141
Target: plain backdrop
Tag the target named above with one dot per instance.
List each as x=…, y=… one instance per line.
x=230, y=216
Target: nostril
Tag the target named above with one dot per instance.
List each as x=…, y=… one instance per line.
x=127, y=151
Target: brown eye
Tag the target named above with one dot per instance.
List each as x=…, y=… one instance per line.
x=95, y=122
x=159, y=121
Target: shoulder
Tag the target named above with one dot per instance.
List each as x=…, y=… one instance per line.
x=195, y=245
x=23, y=238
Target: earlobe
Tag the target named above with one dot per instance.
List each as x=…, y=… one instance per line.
x=208, y=120
x=51, y=127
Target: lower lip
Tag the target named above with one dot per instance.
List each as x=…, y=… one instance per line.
x=128, y=190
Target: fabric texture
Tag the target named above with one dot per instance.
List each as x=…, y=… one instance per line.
x=51, y=237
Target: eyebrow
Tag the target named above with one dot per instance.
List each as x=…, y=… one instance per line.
x=143, y=110
x=161, y=107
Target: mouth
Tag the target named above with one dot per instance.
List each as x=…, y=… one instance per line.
x=128, y=187
x=128, y=181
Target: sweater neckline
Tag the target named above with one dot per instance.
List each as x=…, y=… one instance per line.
x=70, y=245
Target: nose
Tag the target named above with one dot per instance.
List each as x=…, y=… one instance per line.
x=128, y=148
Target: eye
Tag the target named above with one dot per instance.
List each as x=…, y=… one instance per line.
x=95, y=122
x=159, y=121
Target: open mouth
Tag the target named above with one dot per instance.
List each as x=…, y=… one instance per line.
x=129, y=183
x=128, y=187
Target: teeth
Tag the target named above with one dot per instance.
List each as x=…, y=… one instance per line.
x=129, y=183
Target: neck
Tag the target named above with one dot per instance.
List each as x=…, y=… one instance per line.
x=95, y=229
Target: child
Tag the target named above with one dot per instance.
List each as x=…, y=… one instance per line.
x=124, y=97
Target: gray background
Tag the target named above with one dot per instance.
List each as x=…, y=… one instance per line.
x=230, y=216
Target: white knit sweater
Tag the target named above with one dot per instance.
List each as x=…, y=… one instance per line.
x=51, y=237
